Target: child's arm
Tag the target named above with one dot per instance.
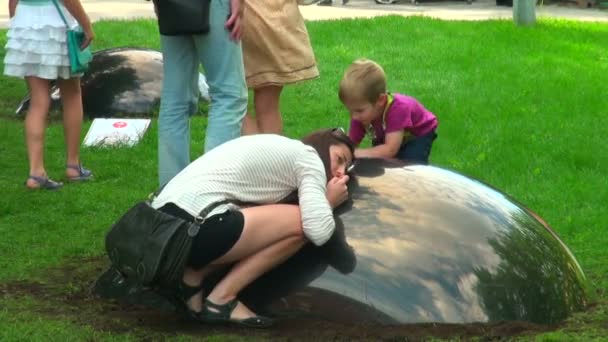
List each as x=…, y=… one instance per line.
x=392, y=143
x=76, y=10
x=356, y=132
x=12, y=5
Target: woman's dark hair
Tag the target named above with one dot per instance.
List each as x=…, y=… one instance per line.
x=321, y=141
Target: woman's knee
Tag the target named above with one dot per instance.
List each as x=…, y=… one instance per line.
x=174, y=111
x=298, y=230
x=39, y=93
x=39, y=104
x=300, y=238
x=267, y=97
x=69, y=87
x=226, y=104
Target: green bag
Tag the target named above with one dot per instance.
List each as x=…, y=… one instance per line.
x=79, y=58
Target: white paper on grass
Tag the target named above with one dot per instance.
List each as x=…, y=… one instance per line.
x=203, y=87
x=112, y=132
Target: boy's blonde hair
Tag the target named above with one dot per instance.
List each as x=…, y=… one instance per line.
x=363, y=79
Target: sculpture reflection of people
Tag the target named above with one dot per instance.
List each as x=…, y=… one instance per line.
x=262, y=170
x=36, y=50
x=219, y=51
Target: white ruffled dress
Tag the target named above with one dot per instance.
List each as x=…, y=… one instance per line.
x=36, y=43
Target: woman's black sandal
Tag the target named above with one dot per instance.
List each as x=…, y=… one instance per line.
x=181, y=298
x=215, y=313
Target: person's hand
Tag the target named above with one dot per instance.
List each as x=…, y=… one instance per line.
x=89, y=35
x=337, y=191
x=233, y=23
x=12, y=5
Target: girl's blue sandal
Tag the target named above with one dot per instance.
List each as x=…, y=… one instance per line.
x=83, y=173
x=215, y=313
x=44, y=183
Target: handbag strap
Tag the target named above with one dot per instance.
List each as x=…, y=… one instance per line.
x=60, y=13
x=200, y=218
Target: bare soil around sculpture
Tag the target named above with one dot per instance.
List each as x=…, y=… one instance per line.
x=66, y=292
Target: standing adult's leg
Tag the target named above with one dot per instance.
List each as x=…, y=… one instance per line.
x=250, y=125
x=267, y=109
x=35, y=125
x=222, y=60
x=180, y=66
x=71, y=100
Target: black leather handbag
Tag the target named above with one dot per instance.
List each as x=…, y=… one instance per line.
x=150, y=246
x=183, y=17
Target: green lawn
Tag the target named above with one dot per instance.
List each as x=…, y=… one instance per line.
x=523, y=109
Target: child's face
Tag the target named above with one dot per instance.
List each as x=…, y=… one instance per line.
x=364, y=111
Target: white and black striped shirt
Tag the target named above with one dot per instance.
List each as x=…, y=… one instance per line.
x=260, y=169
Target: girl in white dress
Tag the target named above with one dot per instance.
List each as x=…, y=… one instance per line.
x=36, y=50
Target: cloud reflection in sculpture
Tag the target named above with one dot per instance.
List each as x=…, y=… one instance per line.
x=432, y=245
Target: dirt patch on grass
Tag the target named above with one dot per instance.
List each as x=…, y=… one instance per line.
x=66, y=292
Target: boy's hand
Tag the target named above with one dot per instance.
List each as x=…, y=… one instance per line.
x=337, y=191
x=359, y=153
x=389, y=149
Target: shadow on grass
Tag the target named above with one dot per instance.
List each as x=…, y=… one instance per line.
x=65, y=292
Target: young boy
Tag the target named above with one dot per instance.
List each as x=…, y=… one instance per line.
x=399, y=126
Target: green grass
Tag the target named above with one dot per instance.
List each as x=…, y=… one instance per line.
x=18, y=324
x=523, y=109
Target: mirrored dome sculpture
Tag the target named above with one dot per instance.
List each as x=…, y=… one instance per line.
x=418, y=244
x=120, y=82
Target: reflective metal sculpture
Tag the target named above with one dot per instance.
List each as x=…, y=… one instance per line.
x=120, y=82
x=420, y=244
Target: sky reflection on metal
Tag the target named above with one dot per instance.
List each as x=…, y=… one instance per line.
x=417, y=244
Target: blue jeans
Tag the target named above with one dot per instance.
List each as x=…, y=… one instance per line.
x=418, y=149
x=222, y=60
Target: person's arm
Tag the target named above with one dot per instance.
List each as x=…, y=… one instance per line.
x=317, y=217
x=12, y=5
x=76, y=10
x=235, y=19
x=356, y=132
x=392, y=143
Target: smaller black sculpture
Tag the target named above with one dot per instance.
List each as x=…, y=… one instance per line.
x=120, y=82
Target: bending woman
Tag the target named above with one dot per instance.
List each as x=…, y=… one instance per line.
x=260, y=170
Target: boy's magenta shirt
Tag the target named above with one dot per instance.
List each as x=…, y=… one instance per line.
x=404, y=113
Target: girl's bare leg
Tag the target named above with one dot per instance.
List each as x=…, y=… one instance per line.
x=267, y=109
x=194, y=278
x=35, y=125
x=250, y=125
x=71, y=100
